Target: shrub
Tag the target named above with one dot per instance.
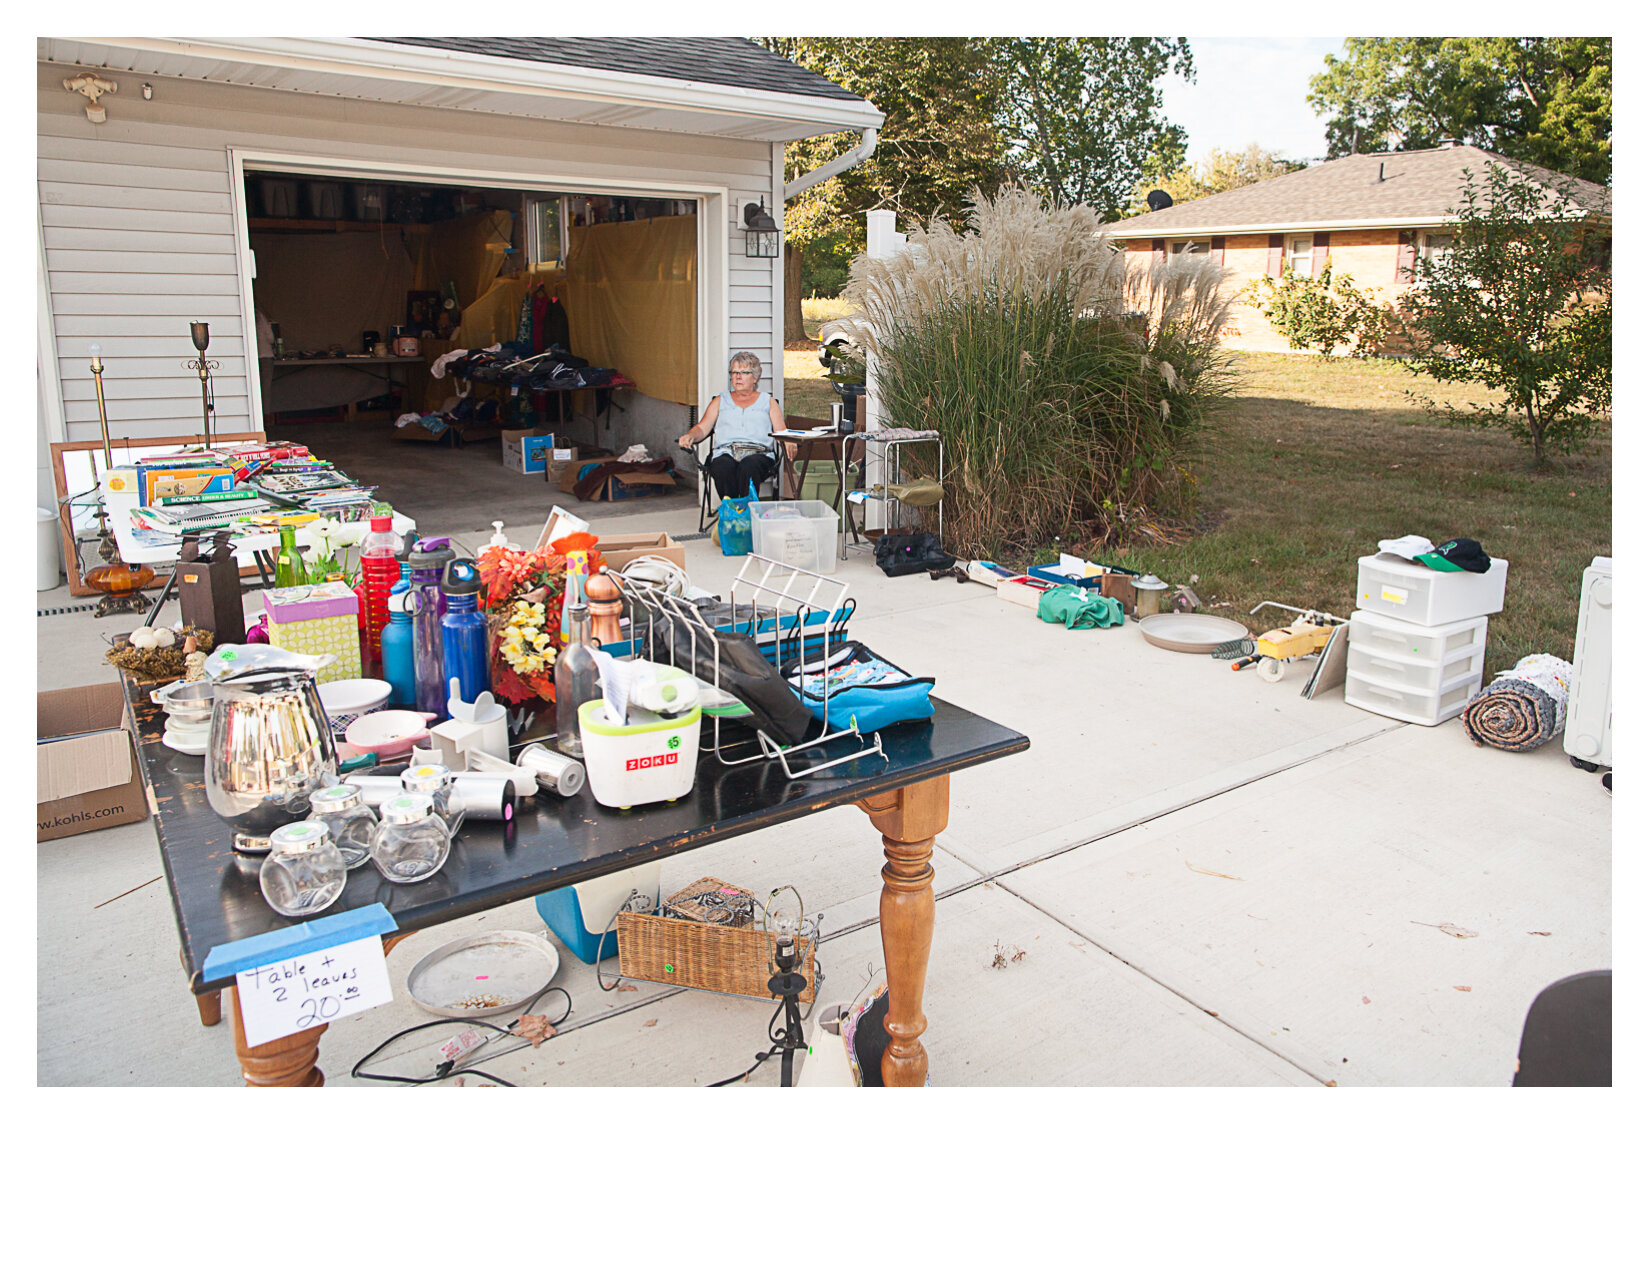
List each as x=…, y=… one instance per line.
x=1319, y=313
x=1065, y=386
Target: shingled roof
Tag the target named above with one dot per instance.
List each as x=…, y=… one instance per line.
x=1396, y=188
x=728, y=60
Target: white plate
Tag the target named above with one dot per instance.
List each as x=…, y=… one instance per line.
x=1191, y=633
x=504, y=968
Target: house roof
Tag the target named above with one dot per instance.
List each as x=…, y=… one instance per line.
x=1396, y=188
x=729, y=60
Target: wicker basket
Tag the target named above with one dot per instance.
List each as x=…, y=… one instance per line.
x=713, y=958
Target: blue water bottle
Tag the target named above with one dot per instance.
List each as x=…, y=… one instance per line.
x=464, y=630
x=397, y=641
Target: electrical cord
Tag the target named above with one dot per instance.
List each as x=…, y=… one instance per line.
x=655, y=572
x=446, y=1070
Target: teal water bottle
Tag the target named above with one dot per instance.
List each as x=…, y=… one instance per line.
x=398, y=653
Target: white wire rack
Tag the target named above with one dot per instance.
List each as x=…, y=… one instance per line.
x=787, y=611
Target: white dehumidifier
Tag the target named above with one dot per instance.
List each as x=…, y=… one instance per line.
x=1587, y=728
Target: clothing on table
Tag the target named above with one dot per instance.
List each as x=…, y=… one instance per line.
x=734, y=477
x=743, y=425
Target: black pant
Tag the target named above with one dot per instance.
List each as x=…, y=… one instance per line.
x=734, y=478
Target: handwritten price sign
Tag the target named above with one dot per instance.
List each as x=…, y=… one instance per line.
x=312, y=990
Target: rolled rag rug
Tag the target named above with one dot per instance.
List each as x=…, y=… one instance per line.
x=1524, y=707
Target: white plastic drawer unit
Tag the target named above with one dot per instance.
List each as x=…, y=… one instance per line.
x=1398, y=587
x=1389, y=650
x=1588, y=727
x=1407, y=703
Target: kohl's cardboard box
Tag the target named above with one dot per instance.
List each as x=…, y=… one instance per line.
x=86, y=771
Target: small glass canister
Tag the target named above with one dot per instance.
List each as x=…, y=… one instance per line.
x=436, y=781
x=303, y=873
x=412, y=840
x=351, y=820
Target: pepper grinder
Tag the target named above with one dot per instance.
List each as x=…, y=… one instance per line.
x=606, y=605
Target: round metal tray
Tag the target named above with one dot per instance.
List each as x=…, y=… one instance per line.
x=483, y=975
x=1189, y=632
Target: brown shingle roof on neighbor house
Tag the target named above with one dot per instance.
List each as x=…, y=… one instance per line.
x=1392, y=189
x=729, y=60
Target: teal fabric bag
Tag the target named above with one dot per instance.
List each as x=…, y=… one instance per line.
x=1078, y=608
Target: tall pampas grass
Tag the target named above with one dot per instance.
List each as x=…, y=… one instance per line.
x=1065, y=384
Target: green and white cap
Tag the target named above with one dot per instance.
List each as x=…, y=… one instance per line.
x=328, y=800
x=309, y=835
x=409, y=807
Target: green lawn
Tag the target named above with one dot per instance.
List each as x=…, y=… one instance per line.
x=1314, y=461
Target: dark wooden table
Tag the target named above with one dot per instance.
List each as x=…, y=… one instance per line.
x=555, y=842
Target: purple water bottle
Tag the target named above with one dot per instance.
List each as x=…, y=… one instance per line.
x=464, y=630
x=426, y=563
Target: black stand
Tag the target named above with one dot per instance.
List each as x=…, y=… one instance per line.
x=788, y=985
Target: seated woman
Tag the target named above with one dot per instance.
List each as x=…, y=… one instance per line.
x=744, y=421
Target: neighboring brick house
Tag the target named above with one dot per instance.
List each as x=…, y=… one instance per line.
x=1370, y=215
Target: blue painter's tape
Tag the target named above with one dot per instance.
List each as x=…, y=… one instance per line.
x=311, y=936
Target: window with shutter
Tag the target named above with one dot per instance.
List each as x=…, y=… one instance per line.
x=1217, y=249
x=1405, y=269
x=1274, y=256
x=1320, y=252
x=1158, y=251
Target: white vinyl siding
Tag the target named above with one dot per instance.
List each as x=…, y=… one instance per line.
x=137, y=218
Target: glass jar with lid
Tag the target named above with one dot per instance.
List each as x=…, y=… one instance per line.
x=303, y=873
x=350, y=819
x=435, y=781
x=411, y=843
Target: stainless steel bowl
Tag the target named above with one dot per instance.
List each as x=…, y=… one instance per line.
x=185, y=703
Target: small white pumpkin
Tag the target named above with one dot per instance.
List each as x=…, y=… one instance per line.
x=142, y=638
x=165, y=638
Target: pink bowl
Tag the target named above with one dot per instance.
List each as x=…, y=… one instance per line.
x=390, y=733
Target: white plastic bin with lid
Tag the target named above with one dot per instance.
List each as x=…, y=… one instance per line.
x=1398, y=587
x=798, y=533
x=1408, y=703
x=46, y=528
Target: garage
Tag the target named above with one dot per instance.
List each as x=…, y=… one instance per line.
x=351, y=190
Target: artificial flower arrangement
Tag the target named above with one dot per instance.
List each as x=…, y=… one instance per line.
x=522, y=593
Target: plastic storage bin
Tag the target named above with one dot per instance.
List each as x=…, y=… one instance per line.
x=579, y=914
x=1420, y=675
x=278, y=196
x=652, y=759
x=798, y=533
x=326, y=199
x=1398, y=587
x=1409, y=703
x=1383, y=635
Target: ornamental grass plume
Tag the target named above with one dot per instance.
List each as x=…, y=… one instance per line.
x=1065, y=385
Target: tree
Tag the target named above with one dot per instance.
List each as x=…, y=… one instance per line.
x=1083, y=117
x=939, y=142
x=1219, y=171
x=1546, y=100
x=1520, y=302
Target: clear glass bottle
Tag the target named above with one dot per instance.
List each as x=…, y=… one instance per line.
x=411, y=843
x=435, y=782
x=575, y=673
x=351, y=821
x=303, y=873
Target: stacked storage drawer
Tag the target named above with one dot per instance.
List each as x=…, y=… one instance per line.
x=1415, y=651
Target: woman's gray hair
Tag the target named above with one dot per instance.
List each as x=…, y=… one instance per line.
x=745, y=359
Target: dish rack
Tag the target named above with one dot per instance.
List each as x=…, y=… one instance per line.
x=788, y=612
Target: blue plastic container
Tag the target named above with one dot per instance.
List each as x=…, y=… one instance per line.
x=398, y=654
x=578, y=914
x=464, y=631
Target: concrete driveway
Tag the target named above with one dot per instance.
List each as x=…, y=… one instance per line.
x=1212, y=881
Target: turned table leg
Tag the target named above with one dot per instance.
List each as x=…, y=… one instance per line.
x=208, y=1004
x=289, y=1061
x=908, y=818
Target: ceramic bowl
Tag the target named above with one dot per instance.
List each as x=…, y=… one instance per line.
x=392, y=733
x=350, y=698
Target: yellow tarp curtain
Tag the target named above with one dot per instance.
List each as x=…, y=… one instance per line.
x=467, y=251
x=631, y=298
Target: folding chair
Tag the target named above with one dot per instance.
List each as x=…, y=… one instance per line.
x=709, y=502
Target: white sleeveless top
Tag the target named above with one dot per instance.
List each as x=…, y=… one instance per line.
x=735, y=424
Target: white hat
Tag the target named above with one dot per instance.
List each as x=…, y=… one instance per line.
x=1411, y=547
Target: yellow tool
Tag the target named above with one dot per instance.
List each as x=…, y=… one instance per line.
x=1276, y=647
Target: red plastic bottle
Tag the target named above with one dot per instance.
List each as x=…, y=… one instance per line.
x=379, y=572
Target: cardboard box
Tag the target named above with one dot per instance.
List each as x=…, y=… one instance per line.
x=619, y=550
x=86, y=772
x=558, y=460
x=625, y=486
x=315, y=619
x=525, y=450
